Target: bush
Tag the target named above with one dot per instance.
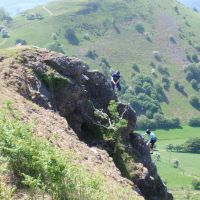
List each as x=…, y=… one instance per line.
x=4, y=16
x=196, y=184
x=197, y=47
x=166, y=83
x=169, y=147
x=172, y=39
x=189, y=58
x=157, y=56
x=194, y=101
x=194, y=121
x=5, y=33
x=195, y=58
x=148, y=37
x=71, y=36
x=40, y=166
x=54, y=36
x=194, y=84
x=20, y=41
x=192, y=145
x=55, y=46
x=34, y=16
x=179, y=87
x=91, y=54
x=140, y=28
x=193, y=72
x=163, y=70
x=158, y=121
x=86, y=36
x=143, y=123
x=136, y=68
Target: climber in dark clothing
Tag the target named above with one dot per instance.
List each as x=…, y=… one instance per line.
x=115, y=80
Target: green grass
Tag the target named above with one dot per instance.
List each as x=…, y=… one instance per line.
x=122, y=50
x=178, y=179
x=40, y=168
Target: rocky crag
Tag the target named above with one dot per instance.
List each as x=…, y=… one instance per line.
x=62, y=95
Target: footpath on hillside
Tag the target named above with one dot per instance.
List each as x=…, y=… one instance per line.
x=47, y=10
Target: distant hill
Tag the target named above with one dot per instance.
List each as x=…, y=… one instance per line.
x=191, y=3
x=158, y=39
x=15, y=6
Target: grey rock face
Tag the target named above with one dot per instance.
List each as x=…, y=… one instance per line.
x=84, y=91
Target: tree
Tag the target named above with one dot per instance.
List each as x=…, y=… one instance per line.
x=70, y=35
x=169, y=147
x=196, y=184
x=55, y=46
x=117, y=124
x=4, y=16
x=194, y=121
x=194, y=100
x=20, y=41
x=139, y=27
x=192, y=145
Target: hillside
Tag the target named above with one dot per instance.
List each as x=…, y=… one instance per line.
x=59, y=139
x=15, y=6
x=160, y=38
x=194, y=4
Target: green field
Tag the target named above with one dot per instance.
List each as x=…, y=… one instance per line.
x=178, y=180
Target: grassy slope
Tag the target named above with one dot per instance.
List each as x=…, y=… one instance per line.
x=178, y=180
x=122, y=50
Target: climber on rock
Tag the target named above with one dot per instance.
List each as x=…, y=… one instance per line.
x=151, y=139
x=115, y=81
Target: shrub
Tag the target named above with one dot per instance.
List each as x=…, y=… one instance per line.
x=172, y=39
x=20, y=41
x=194, y=121
x=34, y=16
x=139, y=27
x=4, y=16
x=193, y=72
x=189, y=58
x=196, y=184
x=176, y=9
x=91, y=54
x=169, y=147
x=163, y=70
x=197, y=47
x=143, y=123
x=55, y=46
x=40, y=166
x=178, y=86
x=153, y=64
x=5, y=33
x=86, y=36
x=54, y=36
x=116, y=28
x=157, y=56
x=149, y=114
x=194, y=101
x=194, y=84
x=195, y=58
x=136, y=68
x=192, y=145
x=117, y=124
x=166, y=82
x=148, y=37
x=70, y=35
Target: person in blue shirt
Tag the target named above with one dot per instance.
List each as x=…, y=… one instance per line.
x=115, y=80
x=152, y=139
